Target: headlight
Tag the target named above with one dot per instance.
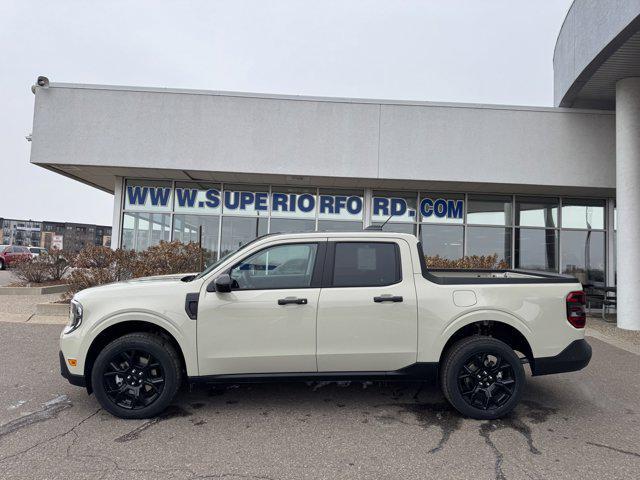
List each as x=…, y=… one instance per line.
x=75, y=316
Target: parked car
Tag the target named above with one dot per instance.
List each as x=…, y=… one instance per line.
x=11, y=253
x=330, y=306
x=37, y=251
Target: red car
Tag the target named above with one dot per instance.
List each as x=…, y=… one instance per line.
x=11, y=253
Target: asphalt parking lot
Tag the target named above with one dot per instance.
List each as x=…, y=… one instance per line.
x=581, y=425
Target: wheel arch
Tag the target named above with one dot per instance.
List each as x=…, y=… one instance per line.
x=500, y=325
x=118, y=329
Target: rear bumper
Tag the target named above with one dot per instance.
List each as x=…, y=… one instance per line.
x=77, y=380
x=575, y=357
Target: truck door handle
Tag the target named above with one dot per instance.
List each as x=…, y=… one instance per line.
x=292, y=300
x=388, y=298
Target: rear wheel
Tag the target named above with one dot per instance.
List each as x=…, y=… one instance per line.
x=482, y=377
x=136, y=375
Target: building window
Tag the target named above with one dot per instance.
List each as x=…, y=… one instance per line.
x=398, y=211
x=338, y=226
x=494, y=244
x=142, y=230
x=583, y=213
x=292, y=225
x=489, y=210
x=442, y=243
x=536, y=249
x=583, y=256
x=202, y=229
x=236, y=231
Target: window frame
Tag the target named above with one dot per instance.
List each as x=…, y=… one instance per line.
x=327, y=279
x=316, y=276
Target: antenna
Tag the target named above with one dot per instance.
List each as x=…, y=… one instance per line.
x=379, y=227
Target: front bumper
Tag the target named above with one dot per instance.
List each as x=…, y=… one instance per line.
x=575, y=357
x=77, y=380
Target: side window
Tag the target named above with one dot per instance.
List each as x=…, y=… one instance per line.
x=282, y=266
x=360, y=264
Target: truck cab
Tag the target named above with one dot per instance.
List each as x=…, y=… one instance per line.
x=331, y=306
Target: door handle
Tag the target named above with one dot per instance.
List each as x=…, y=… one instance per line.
x=292, y=300
x=388, y=298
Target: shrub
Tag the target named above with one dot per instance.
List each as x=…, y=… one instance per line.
x=43, y=268
x=471, y=262
x=96, y=265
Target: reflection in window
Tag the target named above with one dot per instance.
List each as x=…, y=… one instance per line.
x=536, y=249
x=489, y=210
x=583, y=256
x=142, y=230
x=537, y=212
x=339, y=226
x=236, y=231
x=583, y=213
x=399, y=227
x=442, y=242
x=494, y=244
x=187, y=228
x=283, y=266
x=292, y=225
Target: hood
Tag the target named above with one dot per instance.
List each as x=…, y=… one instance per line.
x=136, y=286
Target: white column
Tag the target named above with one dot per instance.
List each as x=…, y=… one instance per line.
x=116, y=227
x=628, y=201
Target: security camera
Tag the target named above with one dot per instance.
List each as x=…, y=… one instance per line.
x=43, y=82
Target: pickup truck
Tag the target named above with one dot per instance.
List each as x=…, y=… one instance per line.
x=325, y=306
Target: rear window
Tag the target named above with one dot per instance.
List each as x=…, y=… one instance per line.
x=366, y=264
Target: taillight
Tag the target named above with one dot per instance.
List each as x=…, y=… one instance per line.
x=576, y=312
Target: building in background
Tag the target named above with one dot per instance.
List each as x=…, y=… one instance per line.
x=61, y=235
x=515, y=186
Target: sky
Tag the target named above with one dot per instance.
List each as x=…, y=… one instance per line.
x=489, y=51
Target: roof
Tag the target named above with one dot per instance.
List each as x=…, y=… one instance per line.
x=598, y=44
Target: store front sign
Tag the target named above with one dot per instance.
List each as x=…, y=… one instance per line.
x=286, y=205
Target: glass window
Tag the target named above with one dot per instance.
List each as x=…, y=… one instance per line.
x=142, y=230
x=536, y=249
x=441, y=208
x=583, y=256
x=292, y=225
x=148, y=195
x=489, y=210
x=187, y=229
x=537, y=212
x=237, y=231
x=399, y=228
x=441, y=242
x=583, y=213
x=282, y=266
x=339, y=226
x=494, y=244
x=400, y=206
x=360, y=264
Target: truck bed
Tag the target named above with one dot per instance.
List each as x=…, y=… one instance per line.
x=461, y=276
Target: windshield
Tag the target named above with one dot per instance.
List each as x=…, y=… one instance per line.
x=215, y=265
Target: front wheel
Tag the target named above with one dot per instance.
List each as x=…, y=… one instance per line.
x=482, y=377
x=136, y=375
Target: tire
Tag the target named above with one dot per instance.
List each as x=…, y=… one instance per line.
x=482, y=377
x=136, y=375
x=2, y=267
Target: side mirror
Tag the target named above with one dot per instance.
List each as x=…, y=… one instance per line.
x=222, y=284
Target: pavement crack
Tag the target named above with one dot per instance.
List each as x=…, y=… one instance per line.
x=47, y=440
x=50, y=410
x=619, y=450
x=171, y=412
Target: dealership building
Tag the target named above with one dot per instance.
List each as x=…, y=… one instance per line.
x=496, y=186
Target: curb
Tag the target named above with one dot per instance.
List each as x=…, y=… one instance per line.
x=53, y=309
x=34, y=290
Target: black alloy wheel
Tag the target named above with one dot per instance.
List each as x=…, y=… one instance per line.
x=486, y=381
x=482, y=377
x=136, y=375
x=133, y=379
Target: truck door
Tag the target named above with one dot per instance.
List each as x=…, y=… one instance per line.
x=267, y=323
x=367, y=313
